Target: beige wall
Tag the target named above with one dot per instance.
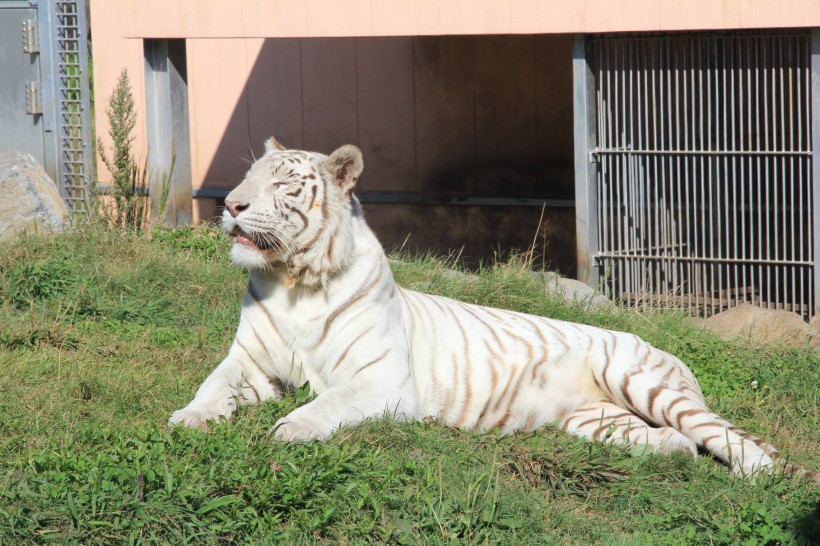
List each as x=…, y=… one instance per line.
x=484, y=114
x=322, y=18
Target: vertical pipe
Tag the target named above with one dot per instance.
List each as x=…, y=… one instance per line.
x=702, y=146
x=804, y=92
x=611, y=179
x=586, y=217
x=727, y=106
x=671, y=174
x=734, y=230
x=797, y=228
x=600, y=183
x=646, y=171
x=757, y=191
x=689, y=68
x=618, y=218
x=662, y=145
x=760, y=51
x=780, y=183
x=719, y=187
x=815, y=164
x=630, y=139
x=623, y=165
x=788, y=209
x=655, y=243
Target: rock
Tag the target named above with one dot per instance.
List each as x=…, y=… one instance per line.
x=760, y=325
x=30, y=200
x=814, y=332
x=573, y=291
x=460, y=276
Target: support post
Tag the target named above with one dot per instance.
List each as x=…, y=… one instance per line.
x=586, y=172
x=169, y=150
x=815, y=164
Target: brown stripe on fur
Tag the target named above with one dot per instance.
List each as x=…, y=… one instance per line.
x=665, y=411
x=654, y=392
x=612, y=417
x=313, y=189
x=759, y=442
x=261, y=344
x=506, y=388
x=501, y=422
x=687, y=413
x=711, y=438
x=468, y=373
x=255, y=297
x=490, y=329
x=709, y=424
x=602, y=428
x=349, y=346
x=357, y=295
x=514, y=393
x=606, y=366
x=301, y=215
x=258, y=367
x=625, y=388
x=372, y=362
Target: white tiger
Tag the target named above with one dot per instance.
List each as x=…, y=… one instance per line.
x=321, y=306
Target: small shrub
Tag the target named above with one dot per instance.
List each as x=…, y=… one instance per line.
x=128, y=183
x=31, y=283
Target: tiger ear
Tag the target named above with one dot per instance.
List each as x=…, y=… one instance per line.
x=345, y=165
x=272, y=144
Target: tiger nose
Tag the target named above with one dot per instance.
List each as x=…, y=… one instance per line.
x=235, y=207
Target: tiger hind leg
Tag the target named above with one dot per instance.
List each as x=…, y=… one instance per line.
x=745, y=454
x=605, y=421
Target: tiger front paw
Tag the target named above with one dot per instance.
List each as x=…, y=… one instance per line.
x=200, y=418
x=294, y=429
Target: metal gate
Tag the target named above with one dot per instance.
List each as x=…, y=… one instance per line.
x=703, y=157
x=45, y=94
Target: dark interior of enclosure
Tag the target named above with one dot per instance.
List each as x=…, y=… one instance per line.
x=464, y=138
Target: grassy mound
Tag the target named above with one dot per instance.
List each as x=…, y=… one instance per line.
x=104, y=333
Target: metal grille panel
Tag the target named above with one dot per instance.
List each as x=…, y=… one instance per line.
x=73, y=105
x=704, y=180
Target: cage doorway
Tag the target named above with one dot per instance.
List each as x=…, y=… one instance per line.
x=702, y=169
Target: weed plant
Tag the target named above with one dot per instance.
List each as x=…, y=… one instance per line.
x=103, y=333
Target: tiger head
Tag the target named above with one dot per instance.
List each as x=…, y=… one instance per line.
x=290, y=212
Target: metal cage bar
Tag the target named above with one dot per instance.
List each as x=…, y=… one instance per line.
x=705, y=175
x=66, y=28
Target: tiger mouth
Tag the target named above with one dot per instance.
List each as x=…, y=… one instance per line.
x=253, y=240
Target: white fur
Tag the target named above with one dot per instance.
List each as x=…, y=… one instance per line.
x=323, y=307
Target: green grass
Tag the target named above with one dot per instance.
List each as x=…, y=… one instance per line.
x=104, y=333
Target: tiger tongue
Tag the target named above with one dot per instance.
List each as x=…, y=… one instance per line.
x=244, y=240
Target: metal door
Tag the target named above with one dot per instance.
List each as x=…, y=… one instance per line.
x=703, y=154
x=21, y=115
x=44, y=92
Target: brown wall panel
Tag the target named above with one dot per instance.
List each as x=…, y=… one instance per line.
x=386, y=113
x=445, y=111
x=554, y=113
x=329, y=95
x=275, y=94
